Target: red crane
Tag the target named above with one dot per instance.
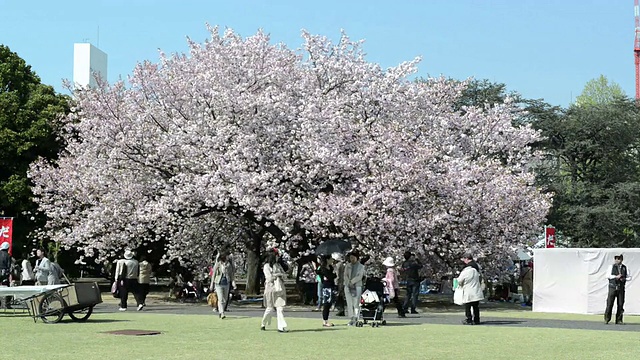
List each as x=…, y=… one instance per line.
x=636, y=48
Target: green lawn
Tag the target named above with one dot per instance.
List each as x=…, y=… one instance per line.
x=207, y=337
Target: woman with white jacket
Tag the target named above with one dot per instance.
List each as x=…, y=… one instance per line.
x=275, y=294
x=469, y=291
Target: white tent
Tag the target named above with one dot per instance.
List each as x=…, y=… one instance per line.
x=575, y=280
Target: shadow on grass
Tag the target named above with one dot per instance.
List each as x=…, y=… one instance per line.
x=501, y=322
x=393, y=324
x=316, y=330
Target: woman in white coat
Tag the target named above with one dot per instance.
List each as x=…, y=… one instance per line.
x=275, y=295
x=469, y=291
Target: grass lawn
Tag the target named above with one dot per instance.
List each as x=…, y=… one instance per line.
x=207, y=337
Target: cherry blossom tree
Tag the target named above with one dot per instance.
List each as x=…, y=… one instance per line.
x=300, y=144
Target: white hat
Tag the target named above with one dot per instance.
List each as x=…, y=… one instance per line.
x=128, y=254
x=4, y=246
x=336, y=256
x=389, y=262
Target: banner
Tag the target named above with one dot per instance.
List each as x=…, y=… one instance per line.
x=6, y=232
x=550, y=236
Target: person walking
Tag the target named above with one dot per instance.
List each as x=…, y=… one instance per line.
x=275, y=294
x=327, y=275
x=43, y=268
x=144, y=279
x=618, y=275
x=127, y=272
x=339, y=270
x=410, y=268
x=393, y=285
x=353, y=274
x=223, y=277
x=469, y=291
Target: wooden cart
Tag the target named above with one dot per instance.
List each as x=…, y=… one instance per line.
x=76, y=300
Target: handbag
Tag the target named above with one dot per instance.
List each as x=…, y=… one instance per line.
x=278, y=285
x=457, y=296
x=115, y=290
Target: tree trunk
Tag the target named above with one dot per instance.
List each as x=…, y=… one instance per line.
x=253, y=263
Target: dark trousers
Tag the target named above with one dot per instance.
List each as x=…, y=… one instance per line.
x=144, y=291
x=309, y=293
x=129, y=286
x=476, y=312
x=413, y=290
x=4, y=281
x=325, y=311
x=340, y=302
x=613, y=294
x=396, y=301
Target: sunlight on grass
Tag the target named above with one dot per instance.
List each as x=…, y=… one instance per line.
x=207, y=337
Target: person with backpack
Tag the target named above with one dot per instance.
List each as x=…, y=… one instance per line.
x=55, y=274
x=144, y=279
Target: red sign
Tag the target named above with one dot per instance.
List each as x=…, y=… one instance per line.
x=6, y=232
x=550, y=236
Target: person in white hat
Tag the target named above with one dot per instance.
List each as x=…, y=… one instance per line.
x=127, y=271
x=392, y=287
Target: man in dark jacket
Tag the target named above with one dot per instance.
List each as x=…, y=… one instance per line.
x=5, y=270
x=618, y=275
x=410, y=268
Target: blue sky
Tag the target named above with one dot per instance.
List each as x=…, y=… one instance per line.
x=541, y=48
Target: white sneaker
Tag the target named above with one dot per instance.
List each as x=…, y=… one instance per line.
x=140, y=307
x=122, y=309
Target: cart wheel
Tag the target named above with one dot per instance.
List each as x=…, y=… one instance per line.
x=81, y=315
x=384, y=322
x=52, y=308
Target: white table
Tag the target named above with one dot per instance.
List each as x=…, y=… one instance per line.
x=23, y=292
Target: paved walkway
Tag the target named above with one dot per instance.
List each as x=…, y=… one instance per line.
x=488, y=318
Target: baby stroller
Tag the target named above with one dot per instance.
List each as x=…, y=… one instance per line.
x=372, y=303
x=190, y=292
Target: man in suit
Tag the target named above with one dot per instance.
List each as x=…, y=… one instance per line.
x=618, y=275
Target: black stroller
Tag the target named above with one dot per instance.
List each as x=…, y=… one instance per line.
x=372, y=303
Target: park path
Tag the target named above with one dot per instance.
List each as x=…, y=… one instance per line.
x=488, y=318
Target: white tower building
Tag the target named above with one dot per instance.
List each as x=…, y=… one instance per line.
x=88, y=62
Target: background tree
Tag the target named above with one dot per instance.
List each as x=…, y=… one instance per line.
x=29, y=112
x=597, y=173
x=600, y=91
x=294, y=146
